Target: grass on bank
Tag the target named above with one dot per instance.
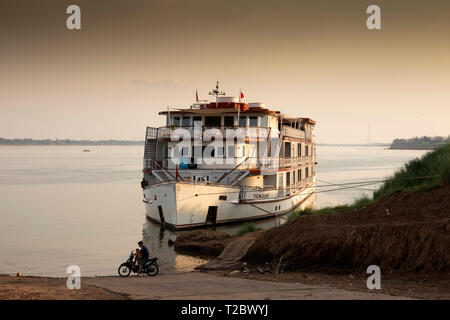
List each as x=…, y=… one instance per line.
x=359, y=203
x=434, y=164
x=247, y=228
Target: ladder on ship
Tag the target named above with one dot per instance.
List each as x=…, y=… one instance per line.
x=276, y=152
x=150, y=156
x=151, y=143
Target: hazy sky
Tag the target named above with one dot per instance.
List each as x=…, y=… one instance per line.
x=314, y=59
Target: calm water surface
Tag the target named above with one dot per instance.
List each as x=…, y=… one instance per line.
x=61, y=206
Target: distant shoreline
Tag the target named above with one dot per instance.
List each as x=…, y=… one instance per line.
x=420, y=143
x=70, y=145
x=353, y=145
x=68, y=142
x=411, y=148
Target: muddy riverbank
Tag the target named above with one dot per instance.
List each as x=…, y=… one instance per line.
x=407, y=234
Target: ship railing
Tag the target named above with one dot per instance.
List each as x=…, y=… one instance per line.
x=150, y=164
x=303, y=182
x=306, y=182
x=286, y=162
x=214, y=163
x=152, y=133
x=295, y=161
x=307, y=160
x=226, y=163
x=206, y=133
x=293, y=133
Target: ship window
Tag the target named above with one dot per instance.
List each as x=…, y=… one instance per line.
x=219, y=152
x=299, y=174
x=176, y=121
x=280, y=180
x=299, y=150
x=306, y=150
x=222, y=197
x=228, y=121
x=287, y=149
x=253, y=121
x=213, y=121
x=242, y=121
x=186, y=121
x=288, y=179
x=230, y=152
x=306, y=172
x=263, y=121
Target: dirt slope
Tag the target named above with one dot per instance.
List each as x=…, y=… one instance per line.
x=203, y=242
x=402, y=233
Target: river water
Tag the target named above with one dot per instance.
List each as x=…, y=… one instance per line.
x=60, y=206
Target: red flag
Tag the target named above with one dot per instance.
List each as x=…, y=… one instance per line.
x=242, y=95
x=196, y=95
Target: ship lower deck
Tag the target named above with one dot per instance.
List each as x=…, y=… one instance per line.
x=180, y=204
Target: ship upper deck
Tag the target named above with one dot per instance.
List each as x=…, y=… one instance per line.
x=248, y=135
x=230, y=106
x=229, y=112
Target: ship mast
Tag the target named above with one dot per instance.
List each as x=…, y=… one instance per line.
x=217, y=93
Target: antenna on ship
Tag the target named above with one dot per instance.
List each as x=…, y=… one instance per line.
x=217, y=93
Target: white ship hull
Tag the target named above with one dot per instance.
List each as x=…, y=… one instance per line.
x=186, y=204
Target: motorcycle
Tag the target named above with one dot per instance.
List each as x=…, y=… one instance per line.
x=150, y=267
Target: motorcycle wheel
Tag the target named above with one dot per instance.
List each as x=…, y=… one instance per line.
x=124, y=270
x=152, y=269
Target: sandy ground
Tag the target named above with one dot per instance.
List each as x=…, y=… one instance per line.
x=43, y=288
x=196, y=286
x=411, y=286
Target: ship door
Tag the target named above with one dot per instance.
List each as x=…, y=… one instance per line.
x=161, y=215
x=212, y=215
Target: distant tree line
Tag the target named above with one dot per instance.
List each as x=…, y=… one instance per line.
x=68, y=142
x=420, y=143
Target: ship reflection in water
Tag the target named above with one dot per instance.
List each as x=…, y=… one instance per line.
x=156, y=238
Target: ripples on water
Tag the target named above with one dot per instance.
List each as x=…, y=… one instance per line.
x=61, y=206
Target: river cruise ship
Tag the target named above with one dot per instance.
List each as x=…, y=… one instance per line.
x=227, y=161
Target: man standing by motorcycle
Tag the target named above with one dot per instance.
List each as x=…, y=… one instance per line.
x=144, y=256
